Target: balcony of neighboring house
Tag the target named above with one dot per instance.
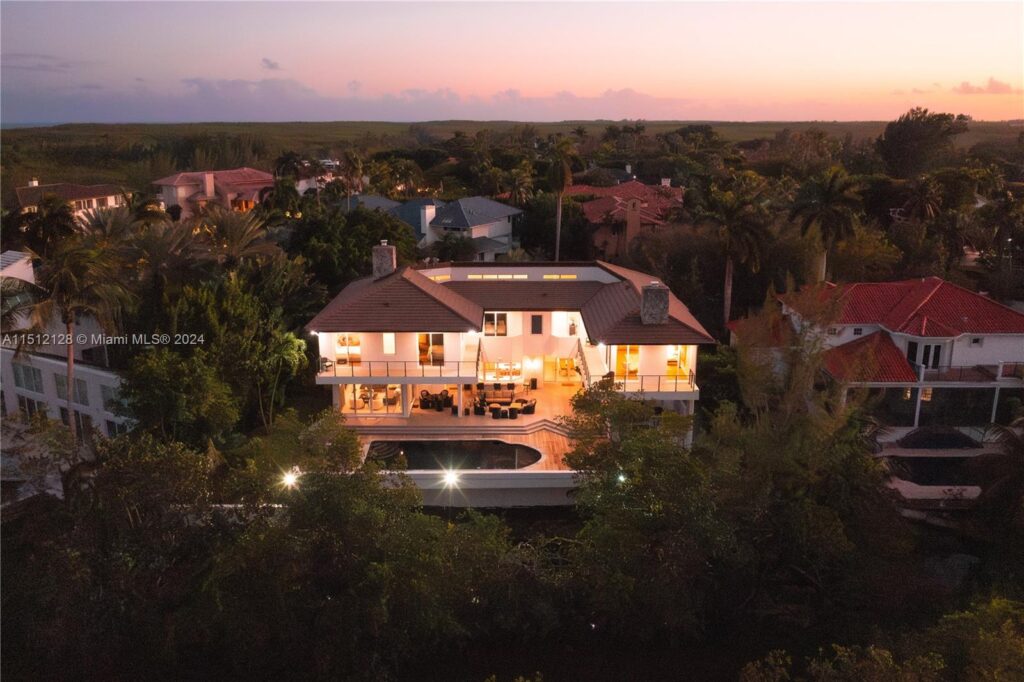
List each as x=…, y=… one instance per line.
x=1003, y=372
x=433, y=363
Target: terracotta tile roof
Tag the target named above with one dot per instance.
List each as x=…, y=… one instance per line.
x=30, y=196
x=610, y=202
x=925, y=307
x=404, y=301
x=235, y=176
x=873, y=358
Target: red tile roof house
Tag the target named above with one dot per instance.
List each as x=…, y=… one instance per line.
x=934, y=353
x=81, y=198
x=238, y=188
x=495, y=351
x=620, y=213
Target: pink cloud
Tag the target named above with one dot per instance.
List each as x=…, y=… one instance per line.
x=993, y=87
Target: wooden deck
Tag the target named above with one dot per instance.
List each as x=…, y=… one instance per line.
x=539, y=430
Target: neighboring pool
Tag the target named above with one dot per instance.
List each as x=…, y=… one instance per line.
x=452, y=454
x=951, y=471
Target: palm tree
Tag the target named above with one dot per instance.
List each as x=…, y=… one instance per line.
x=831, y=202
x=740, y=219
x=80, y=278
x=561, y=155
x=111, y=228
x=51, y=222
x=521, y=183
x=288, y=165
x=352, y=175
x=953, y=228
x=234, y=237
x=16, y=300
x=925, y=199
x=407, y=176
x=167, y=254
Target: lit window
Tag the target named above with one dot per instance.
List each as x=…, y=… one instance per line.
x=440, y=278
x=389, y=343
x=520, y=276
x=926, y=394
x=559, y=276
x=495, y=324
x=474, y=276
x=505, y=276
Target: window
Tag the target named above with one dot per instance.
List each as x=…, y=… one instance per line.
x=495, y=324
x=536, y=324
x=83, y=423
x=833, y=331
x=675, y=365
x=977, y=341
x=29, y=378
x=110, y=398
x=388, y=343
x=97, y=355
x=101, y=202
x=81, y=389
x=431, y=347
x=115, y=429
x=926, y=394
x=857, y=331
x=440, y=278
x=912, y=351
x=30, y=407
x=931, y=354
x=349, y=349
x=627, y=360
x=559, y=276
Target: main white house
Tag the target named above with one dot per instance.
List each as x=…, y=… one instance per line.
x=493, y=349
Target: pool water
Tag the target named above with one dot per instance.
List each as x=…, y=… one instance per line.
x=452, y=454
x=952, y=471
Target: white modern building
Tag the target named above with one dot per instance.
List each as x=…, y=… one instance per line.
x=497, y=350
x=34, y=378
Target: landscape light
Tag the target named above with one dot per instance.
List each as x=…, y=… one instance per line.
x=451, y=478
x=622, y=478
x=290, y=478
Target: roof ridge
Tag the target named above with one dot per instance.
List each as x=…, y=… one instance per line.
x=906, y=318
x=427, y=286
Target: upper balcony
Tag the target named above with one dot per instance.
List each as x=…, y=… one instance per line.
x=975, y=374
x=594, y=369
x=344, y=371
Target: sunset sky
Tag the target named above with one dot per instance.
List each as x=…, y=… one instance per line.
x=149, y=61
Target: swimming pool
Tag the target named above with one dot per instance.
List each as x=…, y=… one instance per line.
x=452, y=454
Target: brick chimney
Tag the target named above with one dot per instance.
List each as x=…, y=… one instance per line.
x=654, y=304
x=385, y=259
x=208, y=189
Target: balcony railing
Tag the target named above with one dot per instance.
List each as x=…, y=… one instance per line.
x=653, y=383
x=970, y=373
x=398, y=369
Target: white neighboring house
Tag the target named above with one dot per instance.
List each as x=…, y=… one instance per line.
x=486, y=222
x=930, y=352
x=35, y=380
x=81, y=198
x=495, y=351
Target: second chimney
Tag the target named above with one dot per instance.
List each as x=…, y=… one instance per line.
x=385, y=259
x=208, y=186
x=654, y=304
